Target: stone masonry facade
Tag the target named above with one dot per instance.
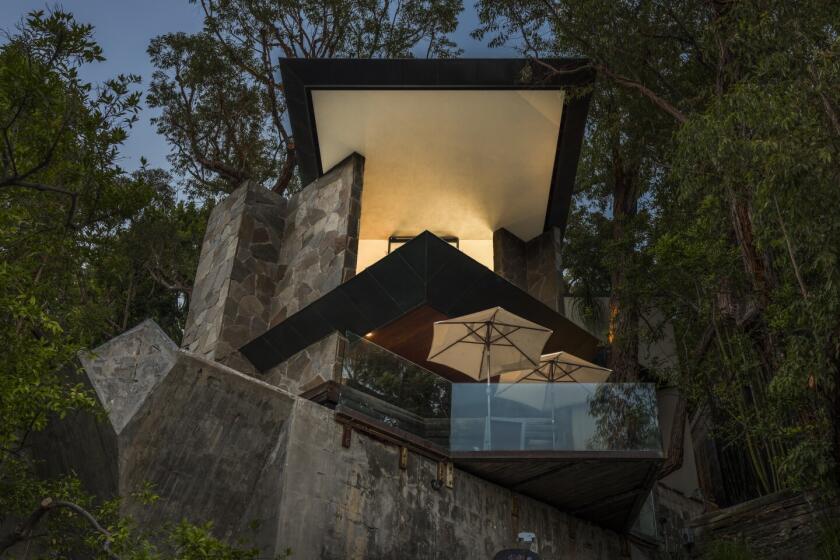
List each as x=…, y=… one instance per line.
x=272, y=468
x=534, y=266
x=265, y=257
x=237, y=272
x=321, y=238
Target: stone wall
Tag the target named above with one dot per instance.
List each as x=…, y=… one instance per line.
x=237, y=273
x=269, y=467
x=358, y=504
x=782, y=526
x=264, y=258
x=321, y=238
x=310, y=367
x=544, y=269
x=535, y=266
x=509, y=258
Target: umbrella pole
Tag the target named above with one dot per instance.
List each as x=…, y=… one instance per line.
x=487, y=434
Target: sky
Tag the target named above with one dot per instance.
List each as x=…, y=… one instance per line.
x=124, y=28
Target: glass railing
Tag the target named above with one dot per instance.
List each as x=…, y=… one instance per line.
x=554, y=417
x=394, y=391
x=398, y=393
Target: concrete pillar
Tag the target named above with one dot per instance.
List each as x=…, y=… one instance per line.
x=237, y=273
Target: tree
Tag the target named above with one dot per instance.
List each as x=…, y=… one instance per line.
x=85, y=251
x=742, y=103
x=223, y=109
x=626, y=140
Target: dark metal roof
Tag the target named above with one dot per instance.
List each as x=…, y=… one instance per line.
x=424, y=271
x=301, y=76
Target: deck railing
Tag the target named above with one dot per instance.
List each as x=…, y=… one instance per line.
x=467, y=417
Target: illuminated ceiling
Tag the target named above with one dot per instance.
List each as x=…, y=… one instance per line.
x=455, y=162
x=458, y=147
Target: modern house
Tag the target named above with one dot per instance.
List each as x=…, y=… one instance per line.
x=302, y=395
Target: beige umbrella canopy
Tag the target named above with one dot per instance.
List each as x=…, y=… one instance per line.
x=486, y=343
x=559, y=367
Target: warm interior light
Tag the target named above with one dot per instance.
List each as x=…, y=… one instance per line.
x=369, y=335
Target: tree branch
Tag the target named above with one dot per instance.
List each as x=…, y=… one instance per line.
x=645, y=91
x=23, y=532
x=47, y=188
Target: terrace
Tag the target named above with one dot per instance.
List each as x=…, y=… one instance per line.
x=485, y=158
x=590, y=449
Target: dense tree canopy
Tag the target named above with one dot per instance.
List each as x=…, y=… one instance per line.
x=708, y=181
x=224, y=113
x=706, y=202
x=86, y=251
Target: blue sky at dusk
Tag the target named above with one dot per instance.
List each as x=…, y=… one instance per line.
x=124, y=28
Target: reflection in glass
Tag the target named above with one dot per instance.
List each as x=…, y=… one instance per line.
x=524, y=416
x=556, y=416
x=395, y=391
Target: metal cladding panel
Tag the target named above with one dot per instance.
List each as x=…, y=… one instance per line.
x=400, y=281
x=310, y=325
x=262, y=353
x=338, y=309
x=285, y=340
x=456, y=278
x=439, y=254
x=424, y=271
x=490, y=288
x=372, y=301
x=414, y=254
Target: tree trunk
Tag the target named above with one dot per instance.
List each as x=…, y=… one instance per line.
x=624, y=316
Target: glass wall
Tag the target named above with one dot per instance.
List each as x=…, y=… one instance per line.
x=391, y=390
x=554, y=417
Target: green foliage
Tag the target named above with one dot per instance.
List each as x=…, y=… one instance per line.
x=86, y=251
x=828, y=543
x=706, y=194
x=729, y=550
x=223, y=110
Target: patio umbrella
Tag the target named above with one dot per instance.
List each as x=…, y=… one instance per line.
x=559, y=367
x=486, y=343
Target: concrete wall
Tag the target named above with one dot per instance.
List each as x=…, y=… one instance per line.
x=358, y=504
x=264, y=465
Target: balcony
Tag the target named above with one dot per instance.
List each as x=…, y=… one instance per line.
x=592, y=449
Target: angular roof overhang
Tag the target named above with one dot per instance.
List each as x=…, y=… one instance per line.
x=426, y=272
x=480, y=143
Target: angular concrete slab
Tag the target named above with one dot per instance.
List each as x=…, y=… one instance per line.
x=126, y=369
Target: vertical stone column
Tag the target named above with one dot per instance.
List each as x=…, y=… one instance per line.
x=509, y=258
x=535, y=266
x=321, y=238
x=544, y=269
x=237, y=273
